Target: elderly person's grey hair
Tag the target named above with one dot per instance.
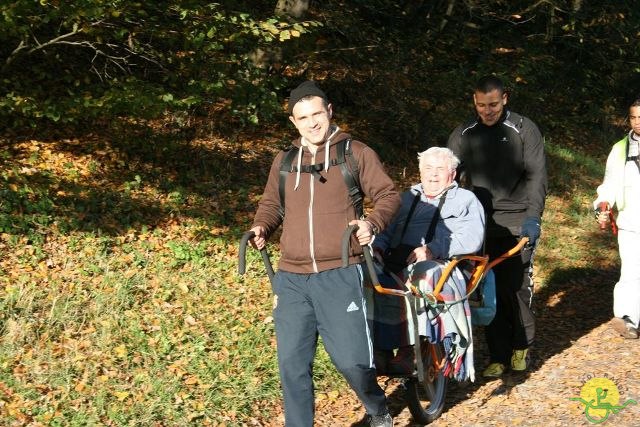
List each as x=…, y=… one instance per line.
x=454, y=161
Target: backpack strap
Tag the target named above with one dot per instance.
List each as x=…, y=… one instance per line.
x=285, y=170
x=351, y=174
x=434, y=220
x=399, y=235
x=636, y=158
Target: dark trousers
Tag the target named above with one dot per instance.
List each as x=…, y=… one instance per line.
x=389, y=317
x=513, y=327
x=329, y=304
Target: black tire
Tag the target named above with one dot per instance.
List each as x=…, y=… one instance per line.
x=426, y=399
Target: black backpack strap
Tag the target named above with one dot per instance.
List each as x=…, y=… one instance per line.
x=285, y=170
x=635, y=159
x=434, y=219
x=351, y=174
x=313, y=170
x=399, y=234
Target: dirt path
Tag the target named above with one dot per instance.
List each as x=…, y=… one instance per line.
x=574, y=344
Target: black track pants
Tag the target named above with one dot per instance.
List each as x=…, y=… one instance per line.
x=329, y=304
x=513, y=327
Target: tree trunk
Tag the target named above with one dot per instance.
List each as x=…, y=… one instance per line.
x=293, y=8
x=551, y=22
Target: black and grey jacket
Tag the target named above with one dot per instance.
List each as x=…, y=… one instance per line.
x=506, y=168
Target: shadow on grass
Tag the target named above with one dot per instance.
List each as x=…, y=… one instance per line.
x=575, y=301
x=132, y=177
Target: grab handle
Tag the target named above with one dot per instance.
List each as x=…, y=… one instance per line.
x=243, y=252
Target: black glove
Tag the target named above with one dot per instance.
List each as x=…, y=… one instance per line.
x=531, y=229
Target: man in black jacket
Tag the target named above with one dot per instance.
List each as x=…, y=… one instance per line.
x=503, y=162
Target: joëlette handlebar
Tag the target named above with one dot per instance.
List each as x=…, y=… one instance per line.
x=243, y=252
x=482, y=266
x=366, y=251
x=511, y=252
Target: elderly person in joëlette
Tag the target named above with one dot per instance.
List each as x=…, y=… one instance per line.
x=437, y=220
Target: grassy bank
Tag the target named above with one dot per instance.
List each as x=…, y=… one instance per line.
x=120, y=301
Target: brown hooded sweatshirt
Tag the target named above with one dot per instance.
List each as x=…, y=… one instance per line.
x=317, y=213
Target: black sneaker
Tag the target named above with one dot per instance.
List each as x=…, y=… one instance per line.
x=381, y=420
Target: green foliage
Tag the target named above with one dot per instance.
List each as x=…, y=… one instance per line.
x=184, y=252
x=72, y=62
x=412, y=66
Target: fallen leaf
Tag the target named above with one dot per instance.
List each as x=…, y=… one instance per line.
x=121, y=351
x=121, y=395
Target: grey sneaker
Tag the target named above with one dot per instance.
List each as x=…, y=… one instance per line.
x=624, y=327
x=381, y=420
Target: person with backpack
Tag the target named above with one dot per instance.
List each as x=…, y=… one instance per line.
x=503, y=163
x=621, y=190
x=315, y=190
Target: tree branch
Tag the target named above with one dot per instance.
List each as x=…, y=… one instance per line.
x=40, y=46
x=22, y=45
x=57, y=40
x=117, y=55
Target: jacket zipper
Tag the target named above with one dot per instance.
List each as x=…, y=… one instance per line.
x=310, y=214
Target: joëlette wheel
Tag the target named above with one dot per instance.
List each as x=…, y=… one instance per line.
x=426, y=399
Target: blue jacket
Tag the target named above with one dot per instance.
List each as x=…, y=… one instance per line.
x=460, y=227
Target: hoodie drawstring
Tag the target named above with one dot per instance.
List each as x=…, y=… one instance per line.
x=299, y=166
x=326, y=154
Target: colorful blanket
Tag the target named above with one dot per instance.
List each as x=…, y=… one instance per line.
x=448, y=322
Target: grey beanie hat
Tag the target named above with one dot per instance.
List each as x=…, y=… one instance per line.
x=307, y=88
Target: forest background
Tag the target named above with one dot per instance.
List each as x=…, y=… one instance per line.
x=136, y=140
